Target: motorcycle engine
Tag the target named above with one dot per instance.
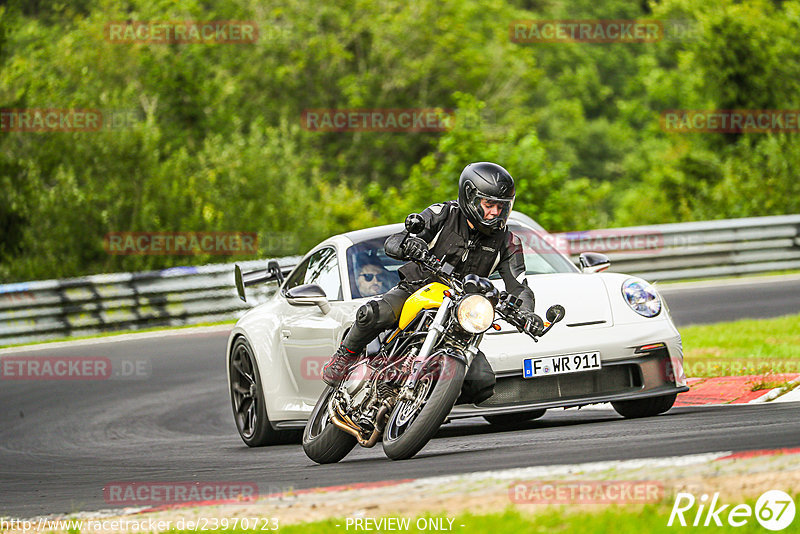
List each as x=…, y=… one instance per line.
x=356, y=381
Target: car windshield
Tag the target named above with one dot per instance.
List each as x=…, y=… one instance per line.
x=371, y=271
x=540, y=255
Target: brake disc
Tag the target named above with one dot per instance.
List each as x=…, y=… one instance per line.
x=409, y=409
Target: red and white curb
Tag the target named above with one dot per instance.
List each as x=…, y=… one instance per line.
x=723, y=390
x=734, y=389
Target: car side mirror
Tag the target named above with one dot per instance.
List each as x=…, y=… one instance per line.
x=593, y=262
x=308, y=295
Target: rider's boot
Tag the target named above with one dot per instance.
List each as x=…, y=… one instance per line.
x=333, y=372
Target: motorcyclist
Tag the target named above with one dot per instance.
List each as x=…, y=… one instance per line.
x=469, y=233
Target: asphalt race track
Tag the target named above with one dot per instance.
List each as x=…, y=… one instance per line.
x=61, y=442
x=712, y=302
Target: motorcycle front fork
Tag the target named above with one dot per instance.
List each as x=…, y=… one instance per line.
x=434, y=335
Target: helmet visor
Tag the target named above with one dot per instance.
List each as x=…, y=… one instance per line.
x=492, y=210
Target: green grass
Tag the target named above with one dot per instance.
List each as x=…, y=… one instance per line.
x=650, y=518
x=753, y=346
x=120, y=333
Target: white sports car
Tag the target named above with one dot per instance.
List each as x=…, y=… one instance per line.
x=617, y=342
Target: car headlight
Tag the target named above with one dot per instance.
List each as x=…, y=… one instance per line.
x=641, y=297
x=475, y=314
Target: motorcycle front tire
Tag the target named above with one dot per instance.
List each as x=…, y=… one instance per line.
x=430, y=418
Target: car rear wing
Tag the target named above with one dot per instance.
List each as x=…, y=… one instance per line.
x=273, y=272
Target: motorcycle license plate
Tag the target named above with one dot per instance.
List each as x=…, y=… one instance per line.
x=559, y=365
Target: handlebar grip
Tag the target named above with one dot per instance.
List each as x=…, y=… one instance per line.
x=537, y=324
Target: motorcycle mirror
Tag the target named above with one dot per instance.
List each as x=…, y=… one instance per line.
x=485, y=285
x=415, y=224
x=493, y=296
x=555, y=313
x=472, y=283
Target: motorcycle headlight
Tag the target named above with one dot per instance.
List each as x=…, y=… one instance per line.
x=475, y=314
x=641, y=297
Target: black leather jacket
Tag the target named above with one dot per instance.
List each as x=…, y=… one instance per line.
x=450, y=239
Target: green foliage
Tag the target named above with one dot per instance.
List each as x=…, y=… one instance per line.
x=212, y=138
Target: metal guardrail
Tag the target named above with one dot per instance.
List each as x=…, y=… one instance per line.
x=707, y=249
x=41, y=310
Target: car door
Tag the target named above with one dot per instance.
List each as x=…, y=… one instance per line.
x=308, y=335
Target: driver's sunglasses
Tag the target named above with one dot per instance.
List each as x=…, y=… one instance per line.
x=369, y=276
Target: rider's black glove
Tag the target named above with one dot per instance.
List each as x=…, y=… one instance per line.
x=415, y=248
x=530, y=323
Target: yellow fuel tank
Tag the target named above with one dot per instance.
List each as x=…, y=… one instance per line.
x=430, y=296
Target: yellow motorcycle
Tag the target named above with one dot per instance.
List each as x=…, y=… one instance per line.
x=404, y=392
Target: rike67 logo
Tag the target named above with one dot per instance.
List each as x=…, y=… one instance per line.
x=774, y=510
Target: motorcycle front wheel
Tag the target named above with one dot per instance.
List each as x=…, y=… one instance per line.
x=323, y=441
x=413, y=423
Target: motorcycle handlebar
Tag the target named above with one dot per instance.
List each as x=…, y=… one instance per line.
x=443, y=271
x=508, y=306
x=532, y=324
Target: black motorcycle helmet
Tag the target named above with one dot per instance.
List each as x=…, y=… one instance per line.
x=486, y=184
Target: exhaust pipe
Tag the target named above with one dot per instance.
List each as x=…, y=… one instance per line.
x=346, y=424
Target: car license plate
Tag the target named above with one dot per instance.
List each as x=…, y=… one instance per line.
x=559, y=365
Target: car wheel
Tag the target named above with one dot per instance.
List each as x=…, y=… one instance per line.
x=511, y=419
x=247, y=399
x=633, y=409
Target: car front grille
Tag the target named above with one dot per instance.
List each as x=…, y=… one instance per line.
x=611, y=379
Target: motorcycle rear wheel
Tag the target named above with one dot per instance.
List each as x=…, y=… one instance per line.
x=323, y=441
x=412, y=424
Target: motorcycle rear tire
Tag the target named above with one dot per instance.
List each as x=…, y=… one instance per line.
x=330, y=444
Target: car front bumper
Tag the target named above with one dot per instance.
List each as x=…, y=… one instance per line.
x=648, y=375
